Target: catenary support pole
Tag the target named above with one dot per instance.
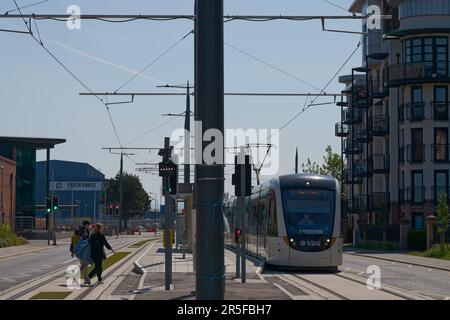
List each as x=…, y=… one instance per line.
x=121, y=194
x=167, y=220
x=209, y=97
x=242, y=216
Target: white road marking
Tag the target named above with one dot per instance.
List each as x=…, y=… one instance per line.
x=70, y=260
x=8, y=279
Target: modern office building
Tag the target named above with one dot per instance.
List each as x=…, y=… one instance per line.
x=22, y=152
x=395, y=119
x=76, y=184
x=7, y=192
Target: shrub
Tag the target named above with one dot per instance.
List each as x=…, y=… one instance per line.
x=8, y=238
x=417, y=240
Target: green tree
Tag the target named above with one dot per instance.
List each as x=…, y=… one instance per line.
x=135, y=199
x=443, y=217
x=332, y=165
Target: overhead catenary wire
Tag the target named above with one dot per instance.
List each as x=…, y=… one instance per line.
x=27, y=6
x=335, y=5
x=42, y=45
x=165, y=52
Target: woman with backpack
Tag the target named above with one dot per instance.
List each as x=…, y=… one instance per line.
x=79, y=247
x=97, y=242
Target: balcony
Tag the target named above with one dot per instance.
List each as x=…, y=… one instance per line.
x=352, y=117
x=362, y=136
x=350, y=178
x=440, y=110
x=415, y=111
x=415, y=153
x=380, y=125
x=379, y=201
x=380, y=163
x=352, y=147
x=412, y=73
x=363, y=168
x=379, y=90
x=437, y=191
x=341, y=129
x=359, y=203
x=440, y=153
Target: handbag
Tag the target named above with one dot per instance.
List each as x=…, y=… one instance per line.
x=82, y=251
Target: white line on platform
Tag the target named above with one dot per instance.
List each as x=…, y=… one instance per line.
x=69, y=260
x=8, y=279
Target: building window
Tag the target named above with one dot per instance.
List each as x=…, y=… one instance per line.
x=417, y=187
x=417, y=104
x=432, y=52
x=417, y=148
x=411, y=8
x=441, y=184
x=441, y=144
x=440, y=105
x=417, y=221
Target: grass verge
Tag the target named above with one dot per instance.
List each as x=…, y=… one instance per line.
x=139, y=244
x=434, y=252
x=116, y=257
x=51, y=295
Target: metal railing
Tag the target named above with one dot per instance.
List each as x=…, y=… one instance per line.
x=415, y=111
x=411, y=72
x=440, y=110
x=415, y=153
x=440, y=152
x=379, y=125
x=380, y=163
x=341, y=129
x=415, y=195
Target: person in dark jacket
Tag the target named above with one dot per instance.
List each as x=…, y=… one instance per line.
x=98, y=241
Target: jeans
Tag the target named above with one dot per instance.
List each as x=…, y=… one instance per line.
x=83, y=270
x=97, y=269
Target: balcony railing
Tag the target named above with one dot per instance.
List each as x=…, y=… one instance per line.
x=379, y=201
x=437, y=191
x=415, y=72
x=415, y=111
x=352, y=117
x=341, y=129
x=363, y=168
x=380, y=125
x=380, y=163
x=378, y=88
x=440, y=110
x=352, y=147
x=415, y=153
x=362, y=136
x=440, y=152
x=416, y=195
x=350, y=178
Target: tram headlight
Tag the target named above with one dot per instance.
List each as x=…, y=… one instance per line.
x=328, y=240
x=293, y=243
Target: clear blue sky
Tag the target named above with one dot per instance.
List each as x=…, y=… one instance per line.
x=39, y=98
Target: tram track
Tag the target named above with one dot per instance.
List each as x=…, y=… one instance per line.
x=46, y=279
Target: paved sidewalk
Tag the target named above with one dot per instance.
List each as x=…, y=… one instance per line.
x=150, y=285
x=402, y=258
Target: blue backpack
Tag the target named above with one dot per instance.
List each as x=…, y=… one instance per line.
x=82, y=251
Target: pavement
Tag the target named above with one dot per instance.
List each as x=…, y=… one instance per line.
x=400, y=257
x=30, y=247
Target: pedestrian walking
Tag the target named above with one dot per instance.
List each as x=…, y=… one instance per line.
x=79, y=247
x=97, y=242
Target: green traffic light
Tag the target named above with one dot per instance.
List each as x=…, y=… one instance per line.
x=48, y=210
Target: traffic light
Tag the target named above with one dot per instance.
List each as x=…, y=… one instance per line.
x=173, y=181
x=110, y=209
x=48, y=205
x=167, y=169
x=237, y=235
x=55, y=204
x=117, y=210
x=236, y=177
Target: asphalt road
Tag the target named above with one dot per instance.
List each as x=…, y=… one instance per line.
x=424, y=281
x=18, y=269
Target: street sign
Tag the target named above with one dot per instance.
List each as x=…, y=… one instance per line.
x=75, y=186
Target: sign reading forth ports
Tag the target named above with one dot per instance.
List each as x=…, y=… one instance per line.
x=75, y=186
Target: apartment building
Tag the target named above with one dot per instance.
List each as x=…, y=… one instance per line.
x=395, y=118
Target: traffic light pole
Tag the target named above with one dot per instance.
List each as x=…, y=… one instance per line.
x=121, y=194
x=242, y=215
x=167, y=220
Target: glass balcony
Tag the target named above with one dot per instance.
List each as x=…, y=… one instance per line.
x=413, y=73
x=380, y=125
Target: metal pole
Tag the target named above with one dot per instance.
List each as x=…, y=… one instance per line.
x=53, y=212
x=95, y=207
x=187, y=137
x=121, y=193
x=209, y=97
x=47, y=178
x=71, y=211
x=167, y=220
x=296, y=161
x=242, y=216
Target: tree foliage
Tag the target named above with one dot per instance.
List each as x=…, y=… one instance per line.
x=331, y=166
x=135, y=199
x=443, y=219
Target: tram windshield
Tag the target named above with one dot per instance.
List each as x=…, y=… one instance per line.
x=308, y=211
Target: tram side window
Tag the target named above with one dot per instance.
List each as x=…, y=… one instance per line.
x=272, y=225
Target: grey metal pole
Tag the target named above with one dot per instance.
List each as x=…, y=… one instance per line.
x=167, y=220
x=95, y=207
x=53, y=211
x=187, y=137
x=47, y=180
x=242, y=216
x=209, y=99
x=121, y=194
x=296, y=161
x=71, y=210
